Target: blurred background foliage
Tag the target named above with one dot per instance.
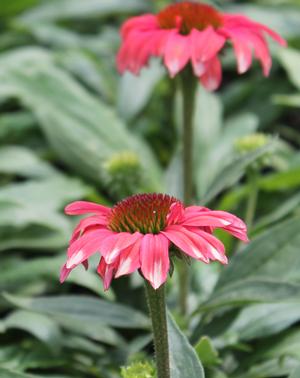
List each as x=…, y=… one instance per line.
x=71, y=128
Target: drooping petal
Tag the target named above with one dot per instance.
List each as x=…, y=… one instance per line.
x=112, y=246
x=64, y=273
x=129, y=260
x=204, y=46
x=154, y=255
x=86, y=223
x=106, y=272
x=212, y=247
x=186, y=241
x=177, y=52
x=212, y=77
x=85, y=246
x=84, y=207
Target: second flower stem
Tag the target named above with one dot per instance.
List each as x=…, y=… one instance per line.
x=188, y=89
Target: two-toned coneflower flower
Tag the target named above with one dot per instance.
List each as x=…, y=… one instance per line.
x=196, y=33
x=139, y=232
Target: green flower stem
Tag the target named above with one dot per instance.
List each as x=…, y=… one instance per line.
x=157, y=309
x=252, y=179
x=188, y=88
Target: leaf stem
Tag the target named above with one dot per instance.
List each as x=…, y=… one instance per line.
x=157, y=309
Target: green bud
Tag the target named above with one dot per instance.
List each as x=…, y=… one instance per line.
x=138, y=370
x=251, y=142
x=123, y=174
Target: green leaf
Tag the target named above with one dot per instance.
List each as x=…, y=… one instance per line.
x=206, y=352
x=290, y=60
x=83, y=308
x=17, y=160
x=64, y=9
x=84, y=132
x=270, y=368
x=40, y=326
x=184, y=362
x=6, y=373
x=295, y=373
x=267, y=270
x=31, y=212
x=255, y=321
x=281, y=211
x=234, y=171
x=272, y=256
x=129, y=104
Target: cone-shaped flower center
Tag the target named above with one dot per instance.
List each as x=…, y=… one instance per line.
x=145, y=213
x=188, y=16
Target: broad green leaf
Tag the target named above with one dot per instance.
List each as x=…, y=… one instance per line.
x=84, y=308
x=40, y=326
x=20, y=272
x=288, y=100
x=184, y=362
x=270, y=368
x=31, y=212
x=17, y=160
x=84, y=132
x=256, y=321
x=64, y=9
x=252, y=290
x=285, y=208
x=272, y=256
x=206, y=352
x=290, y=60
x=234, y=171
x=129, y=103
x=287, y=344
x=295, y=373
x=11, y=8
x=267, y=270
x=15, y=126
x=6, y=373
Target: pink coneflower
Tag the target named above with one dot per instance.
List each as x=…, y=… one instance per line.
x=192, y=32
x=138, y=232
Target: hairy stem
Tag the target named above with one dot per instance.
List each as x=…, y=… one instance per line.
x=157, y=309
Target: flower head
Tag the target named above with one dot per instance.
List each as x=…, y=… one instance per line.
x=137, y=233
x=193, y=32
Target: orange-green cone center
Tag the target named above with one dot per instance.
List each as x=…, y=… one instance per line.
x=145, y=213
x=188, y=15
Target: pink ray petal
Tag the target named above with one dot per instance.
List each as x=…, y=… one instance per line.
x=212, y=77
x=204, y=46
x=129, y=260
x=140, y=23
x=64, y=273
x=84, y=207
x=112, y=246
x=176, y=213
x=185, y=240
x=177, y=52
x=212, y=247
x=84, y=247
x=154, y=256
x=106, y=272
x=86, y=223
